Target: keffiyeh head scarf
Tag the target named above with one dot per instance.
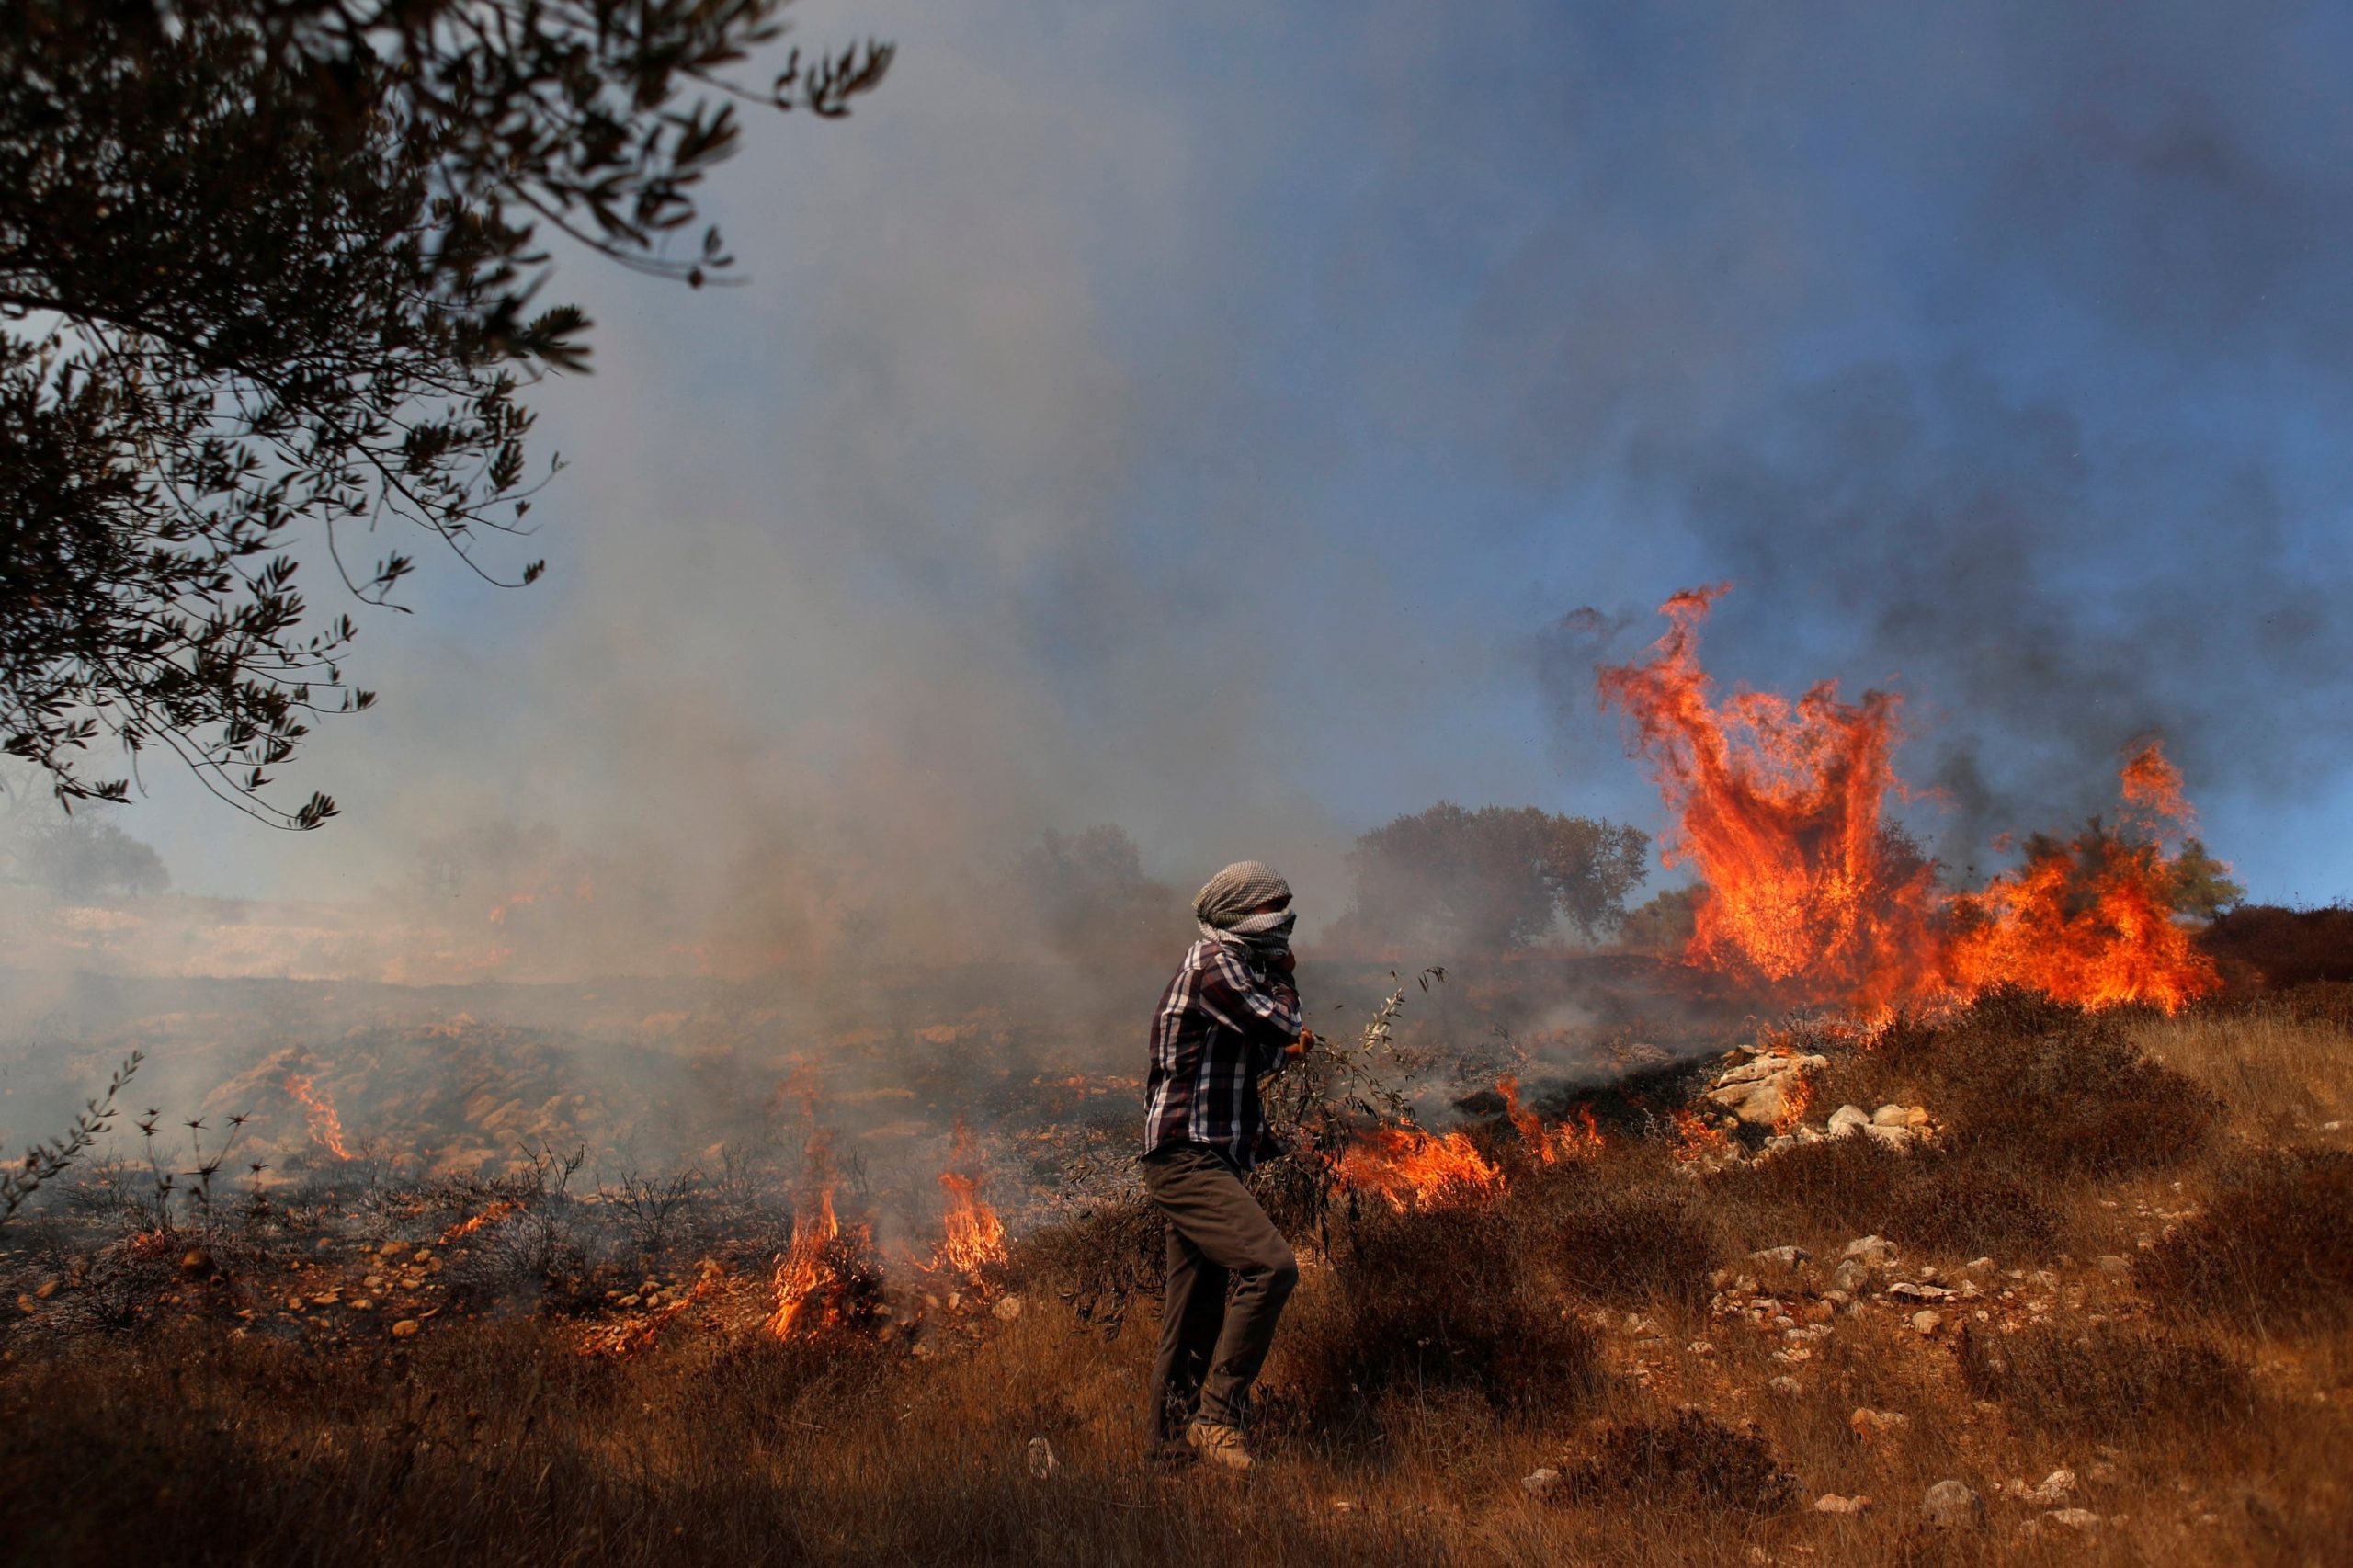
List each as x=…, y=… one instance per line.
x=1223, y=908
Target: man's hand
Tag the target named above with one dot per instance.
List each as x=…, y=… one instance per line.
x=1299, y=1046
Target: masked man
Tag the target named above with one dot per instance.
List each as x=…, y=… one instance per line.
x=1230, y=1015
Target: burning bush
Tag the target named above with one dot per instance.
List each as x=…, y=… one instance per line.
x=1427, y=1301
x=1689, y=1461
x=2274, y=1247
x=2116, y=1381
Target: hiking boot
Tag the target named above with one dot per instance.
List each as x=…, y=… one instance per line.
x=1218, y=1444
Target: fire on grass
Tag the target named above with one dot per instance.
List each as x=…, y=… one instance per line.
x=318, y=1112
x=1778, y=806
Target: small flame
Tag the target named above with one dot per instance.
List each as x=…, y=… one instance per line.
x=1696, y=1138
x=803, y=1270
x=1570, y=1141
x=491, y=1215
x=627, y=1338
x=976, y=1237
x=1411, y=1167
x=326, y=1126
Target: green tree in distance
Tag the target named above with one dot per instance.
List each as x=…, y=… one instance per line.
x=268, y=278
x=1498, y=877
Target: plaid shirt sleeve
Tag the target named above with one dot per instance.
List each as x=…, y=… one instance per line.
x=1219, y=1026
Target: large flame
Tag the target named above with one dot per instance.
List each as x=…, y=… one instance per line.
x=2090, y=920
x=1779, y=805
x=1412, y=1168
x=976, y=1237
x=318, y=1111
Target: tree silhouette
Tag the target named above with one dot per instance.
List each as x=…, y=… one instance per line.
x=268, y=274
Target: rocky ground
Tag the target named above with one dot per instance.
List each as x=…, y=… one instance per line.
x=2020, y=1284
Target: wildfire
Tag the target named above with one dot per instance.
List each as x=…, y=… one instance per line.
x=826, y=1275
x=491, y=1215
x=1411, y=1167
x=318, y=1111
x=627, y=1338
x=976, y=1237
x=1696, y=1139
x=1778, y=807
x=2091, y=920
x=1579, y=1140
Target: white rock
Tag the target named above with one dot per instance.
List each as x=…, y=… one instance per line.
x=1928, y=1322
x=1042, y=1463
x=2073, y=1519
x=1831, y=1503
x=1786, y=1256
x=1848, y=1121
x=2056, y=1488
x=1893, y=1137
x=1891, y=1116
x=1871, y=1251
x=1951, y=1505
x=1541, y=1482
x=1008, y=1308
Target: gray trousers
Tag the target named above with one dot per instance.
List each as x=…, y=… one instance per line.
x=1211, y=1350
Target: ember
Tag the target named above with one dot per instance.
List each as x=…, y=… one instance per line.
x=495, y=1212
x=1413, y=1168
x=318, y=1111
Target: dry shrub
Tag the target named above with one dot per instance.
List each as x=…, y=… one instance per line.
x=2279, y=1063
x=2114, y=1379
x=1927, y=1198
x=1428, y=1301
x=1637, y=1244
x=1101, y=1263
x=2275, y=1248
x=2275, y=947
x=1691, y=1462
x=2040, y=1085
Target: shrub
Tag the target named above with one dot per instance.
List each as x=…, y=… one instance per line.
x=2115, y=1381
x=1432, y=1302
x=1928, y=1197
x=1634, y=1245
x=2279, y=947
x=2275, y=1246
x=1688, y=1461
x=2040, y=1086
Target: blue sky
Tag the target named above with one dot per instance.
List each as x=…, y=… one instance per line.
x=1201, y=418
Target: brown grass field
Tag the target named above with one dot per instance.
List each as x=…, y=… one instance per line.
x=2134, y=1235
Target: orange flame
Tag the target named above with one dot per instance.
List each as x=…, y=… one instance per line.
x=1797, y=1097
x=2091, y=920
x=491, y=1215
x=1578, y=1141
x=1779, y=805
x=1696, y=1139
x=627, y=1338
x=318, y=1111
x=804, y=1270
x=976, y=1237
x=1411, y=1167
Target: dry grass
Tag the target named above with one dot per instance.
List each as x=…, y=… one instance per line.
x=1589, y=1323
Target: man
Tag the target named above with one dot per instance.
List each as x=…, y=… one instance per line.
x=1230, y=1015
